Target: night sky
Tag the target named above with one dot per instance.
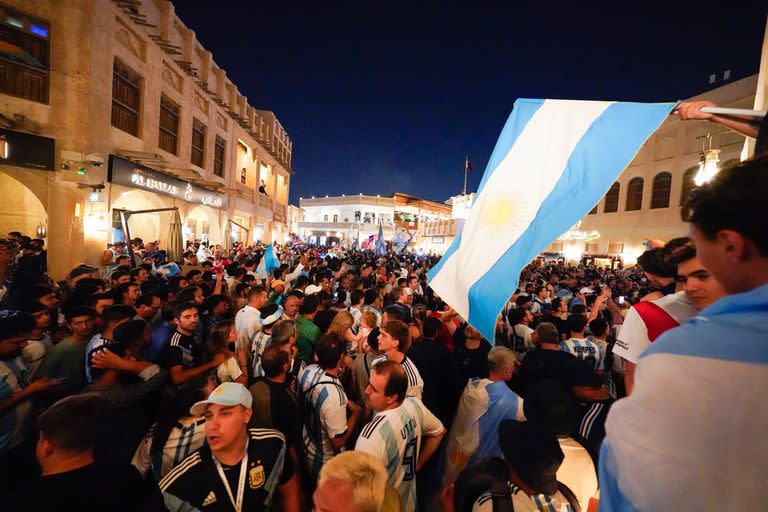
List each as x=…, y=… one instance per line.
x=379, y=100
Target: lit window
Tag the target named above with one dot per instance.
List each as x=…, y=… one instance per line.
x=38, y=30
x=15, y=22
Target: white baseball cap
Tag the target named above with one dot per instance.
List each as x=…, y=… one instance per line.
x=312, y=288
x=227, y=394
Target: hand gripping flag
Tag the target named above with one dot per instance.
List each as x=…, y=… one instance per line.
x=553, y=162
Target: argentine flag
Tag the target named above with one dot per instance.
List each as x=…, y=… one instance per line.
x=268, y=263
x=381, y=245
x=553, y=162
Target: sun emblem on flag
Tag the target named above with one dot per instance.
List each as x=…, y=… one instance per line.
x=504, y=210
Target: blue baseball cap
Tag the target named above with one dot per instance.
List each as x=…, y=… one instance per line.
x=227, y=394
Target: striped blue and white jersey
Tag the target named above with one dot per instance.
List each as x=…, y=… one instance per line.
x=13, y=378
x=585, y=349
x=259, y=342
x=394, y=436
x=415, y=382
x=185, y=437
x=521, y=502
x=327, y=419
x=483, y=406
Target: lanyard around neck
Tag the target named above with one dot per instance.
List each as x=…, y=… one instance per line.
x=237, y=502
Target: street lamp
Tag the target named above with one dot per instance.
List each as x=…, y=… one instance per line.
x=707, y=162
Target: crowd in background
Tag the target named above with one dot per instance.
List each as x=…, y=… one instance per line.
x=209, y=383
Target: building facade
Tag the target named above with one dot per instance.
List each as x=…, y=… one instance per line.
x=646, y=199
x=110, y=106
x=346, y=219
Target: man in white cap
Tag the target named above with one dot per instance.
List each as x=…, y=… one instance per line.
x=238, y=468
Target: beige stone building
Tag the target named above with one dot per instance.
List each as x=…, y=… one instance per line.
x=119, y=98
x=349, y=218
x=645, y=201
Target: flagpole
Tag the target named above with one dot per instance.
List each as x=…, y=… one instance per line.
x=466, y=159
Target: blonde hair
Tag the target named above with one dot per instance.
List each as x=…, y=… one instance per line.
x=341, y=322
x=364, y=472
x=500, y=358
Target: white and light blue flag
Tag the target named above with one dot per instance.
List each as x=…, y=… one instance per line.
x=553, y=162
x=381, y=245
x=268, y=263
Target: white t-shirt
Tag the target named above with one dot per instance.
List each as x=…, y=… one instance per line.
x=229, y=370
x=247, y=323
x=394, y=437
x=520, y=338
x=633, y=337
x=34, y=352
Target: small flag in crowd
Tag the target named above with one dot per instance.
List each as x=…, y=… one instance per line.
x=381, y=246
x=269, y=262
x=553, y=162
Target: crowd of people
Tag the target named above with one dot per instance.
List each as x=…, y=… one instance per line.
x=341, y=379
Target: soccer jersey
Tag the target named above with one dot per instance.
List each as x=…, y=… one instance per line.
x=325, y=416
x=394, y=437
x=258, y=343
x=415, y=382
x=585, y=349
x=181, y=351
x=483, y=406
x=96, y=343
x=13, y=378
x=187, y=436
x=646, y=321
x=197, y=482
x=521, y=502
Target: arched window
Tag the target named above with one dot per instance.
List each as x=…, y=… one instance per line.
x=634, y=194
x=688, y=183
x=612, y=199
x=662, y=186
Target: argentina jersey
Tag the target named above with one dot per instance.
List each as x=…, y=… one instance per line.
x=259, y=342
x=415, y=382
x=585, y=349
x=13, y=378
x=394, y=437
x=325, y=416
x=184, y=438
x=483, y=406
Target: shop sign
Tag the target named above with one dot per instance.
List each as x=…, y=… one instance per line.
x=26, y=150
x=130, y=174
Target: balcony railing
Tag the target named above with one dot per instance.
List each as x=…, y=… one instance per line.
x=265, y=201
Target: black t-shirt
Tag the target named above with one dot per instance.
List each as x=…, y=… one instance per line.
x=91, y=488
x=323, y=319
x=276, y=409
x=436, y=367
x=180, y=350
x=472, y=363
x=562, y=325
x=197, y=482
x=554, y=364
